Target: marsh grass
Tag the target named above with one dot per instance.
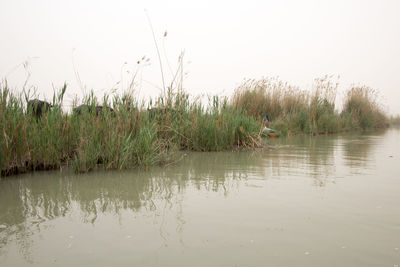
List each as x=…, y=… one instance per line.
x=361, y=109
x=134, y=135
x=290, y=109
x=294, y=111
x=130, y=136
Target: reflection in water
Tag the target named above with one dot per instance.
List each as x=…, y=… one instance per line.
x=357, y=150
x=47, y=195
x=28, y=202
x=322, y=158
x=313, y=157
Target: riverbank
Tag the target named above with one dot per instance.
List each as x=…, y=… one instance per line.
x=133, y=135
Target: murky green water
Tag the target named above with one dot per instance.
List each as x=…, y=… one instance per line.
x=320, y=201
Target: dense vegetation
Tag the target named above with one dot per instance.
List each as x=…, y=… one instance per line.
x=129, y=136
x=293, y=111
x=132, y=134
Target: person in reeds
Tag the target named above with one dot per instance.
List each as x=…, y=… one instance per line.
x=266, y=120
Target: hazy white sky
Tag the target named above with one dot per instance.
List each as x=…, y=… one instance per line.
x=225, y=42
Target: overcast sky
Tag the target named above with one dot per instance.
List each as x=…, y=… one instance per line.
x=224, y=42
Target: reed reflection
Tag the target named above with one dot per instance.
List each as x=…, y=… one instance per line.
x=29, y=201
x=216, y=171
x=46, y=196
x=357, y=150
x=302, y=156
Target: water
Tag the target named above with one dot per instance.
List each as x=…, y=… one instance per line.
x=319, y=201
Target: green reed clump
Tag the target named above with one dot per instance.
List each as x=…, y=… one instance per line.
x=220, y=127
x=28, y=143
x=119, y=139
x=13, y=122
x=361, y=109
x=190, y=125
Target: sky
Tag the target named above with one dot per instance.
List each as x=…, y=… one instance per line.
x=95, y=45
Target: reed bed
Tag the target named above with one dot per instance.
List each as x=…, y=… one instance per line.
x=295, y=111
x=129, y=136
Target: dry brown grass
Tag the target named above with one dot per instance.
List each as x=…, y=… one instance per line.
x=293, y=110
x=361, y=109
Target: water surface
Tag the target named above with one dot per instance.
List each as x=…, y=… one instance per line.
x=305, y=201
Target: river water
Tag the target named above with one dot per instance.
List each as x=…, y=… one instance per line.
x=304, y=201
